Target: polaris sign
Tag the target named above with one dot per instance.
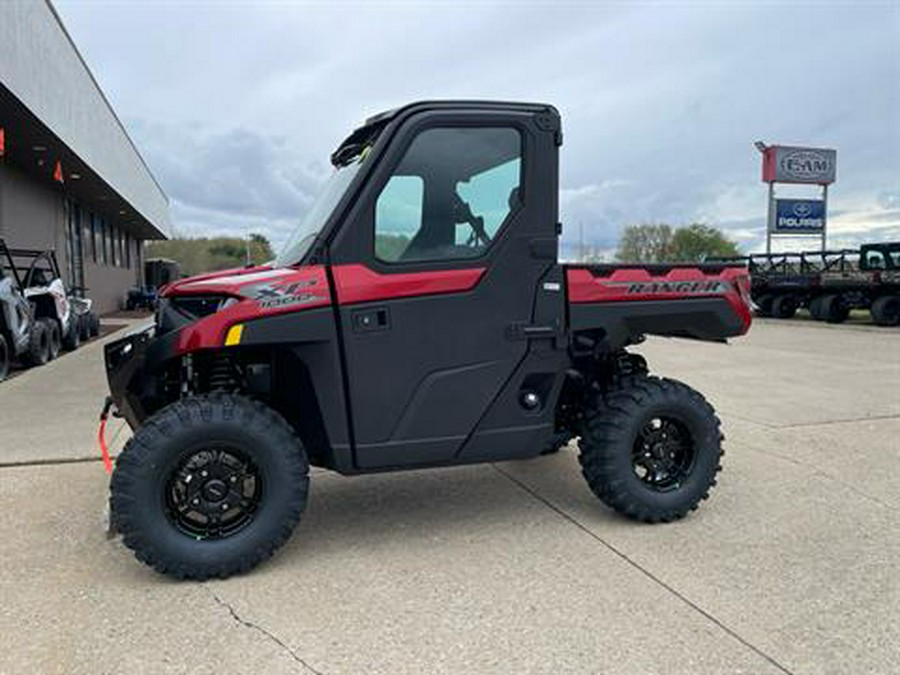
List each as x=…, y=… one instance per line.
x=784, y=164
x=799, y=216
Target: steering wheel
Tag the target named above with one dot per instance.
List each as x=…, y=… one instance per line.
x=462, y=213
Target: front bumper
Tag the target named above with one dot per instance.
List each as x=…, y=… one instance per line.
x=133, y=370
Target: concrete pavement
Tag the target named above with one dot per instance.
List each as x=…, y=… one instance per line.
x=791, y=566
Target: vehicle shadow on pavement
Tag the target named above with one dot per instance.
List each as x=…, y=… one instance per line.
x=392, y=512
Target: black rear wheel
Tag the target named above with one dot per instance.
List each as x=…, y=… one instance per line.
x=210, y=486
x=815, y=308
x=84, y=328
x=764, y=305
x=833, y=309
x=53, y=337
x=651, y=448
x=886, y=310
x=38, y=345
x=72, y=338
x=784, y=307
x=4, y=357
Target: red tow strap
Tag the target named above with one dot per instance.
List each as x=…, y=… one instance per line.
x=101, y=436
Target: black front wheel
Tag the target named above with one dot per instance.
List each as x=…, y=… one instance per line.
x=210, y=486
x=651, y=448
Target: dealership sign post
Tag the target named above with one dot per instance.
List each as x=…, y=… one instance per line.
x=809, y=166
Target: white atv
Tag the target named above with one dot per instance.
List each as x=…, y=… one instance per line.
x=37, y=315
x=46, y=293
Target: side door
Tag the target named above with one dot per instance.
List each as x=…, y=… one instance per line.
x=430, y=273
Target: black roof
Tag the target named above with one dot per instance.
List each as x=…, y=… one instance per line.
x=373, y=125
x=457, y=104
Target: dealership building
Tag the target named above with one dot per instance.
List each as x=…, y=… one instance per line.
x=71, y=179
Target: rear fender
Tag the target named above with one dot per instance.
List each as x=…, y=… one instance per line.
x=626, y=303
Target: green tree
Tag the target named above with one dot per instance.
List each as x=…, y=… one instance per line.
x=655, y=243
x=205, y=254
x=697, y=242
x=390, y=247
x=260, y=249
x=647, y=243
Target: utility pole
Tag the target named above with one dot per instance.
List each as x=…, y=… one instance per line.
x=581, y=241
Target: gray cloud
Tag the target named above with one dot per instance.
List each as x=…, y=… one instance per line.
x=230, y=182
x=237, y=106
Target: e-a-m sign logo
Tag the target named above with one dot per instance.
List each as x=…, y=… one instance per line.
x=805, y=165
x=801, y=165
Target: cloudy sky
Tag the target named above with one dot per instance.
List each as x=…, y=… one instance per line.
x=236, y=105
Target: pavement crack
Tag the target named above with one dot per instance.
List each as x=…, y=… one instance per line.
x=50, y=462
x=690, y=603
x=264, y=631
x=820, y=474
x=725, y=414
x=851, y=420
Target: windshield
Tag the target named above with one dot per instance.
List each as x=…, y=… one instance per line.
x=880, y=256
x=302, y=238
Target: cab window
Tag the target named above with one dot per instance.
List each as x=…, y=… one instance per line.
x=450, y=195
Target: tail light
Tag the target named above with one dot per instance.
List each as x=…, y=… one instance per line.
x=743, y=285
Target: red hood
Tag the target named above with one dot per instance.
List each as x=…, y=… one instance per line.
x=227, y=282
x=261, y=292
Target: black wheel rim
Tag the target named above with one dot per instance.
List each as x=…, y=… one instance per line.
x=213, y=493
x=663, y=454
x=892, y=310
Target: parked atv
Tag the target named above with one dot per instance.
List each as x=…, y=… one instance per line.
x=22, y=337
x=141, y=297
x=418, y=317
x=39, y=316
x=68, y=316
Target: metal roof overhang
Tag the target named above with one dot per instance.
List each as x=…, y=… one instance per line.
x=32, y=147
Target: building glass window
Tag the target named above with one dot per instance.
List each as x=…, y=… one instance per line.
x=93, y=238
x=138, y=253
x=86, y=234
x=104, y=235
x=74, y=260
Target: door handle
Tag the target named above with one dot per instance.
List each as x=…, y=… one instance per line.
x=528, y=331
x=370, y=319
